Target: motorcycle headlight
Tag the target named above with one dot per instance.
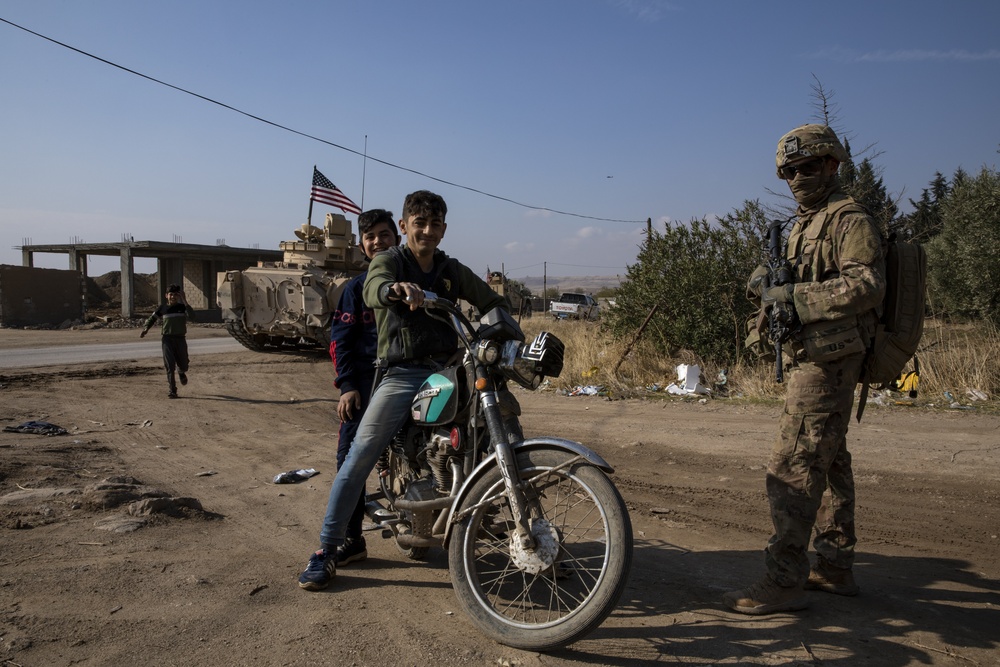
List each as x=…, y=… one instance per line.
x=528, y=363
x=488, y=351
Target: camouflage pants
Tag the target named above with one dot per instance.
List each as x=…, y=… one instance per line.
x=809, y=478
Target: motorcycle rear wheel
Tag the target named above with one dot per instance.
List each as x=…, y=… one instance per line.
x=557, y=606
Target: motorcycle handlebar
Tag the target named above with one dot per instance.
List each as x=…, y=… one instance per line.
x=434, y=302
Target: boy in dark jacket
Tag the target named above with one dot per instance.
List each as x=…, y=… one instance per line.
x=174, y=316
x=353, y=348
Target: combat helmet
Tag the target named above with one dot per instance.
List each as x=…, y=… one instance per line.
x=807, y=141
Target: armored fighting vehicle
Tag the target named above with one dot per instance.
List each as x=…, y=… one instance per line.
x=517, y=295
x=287, y=305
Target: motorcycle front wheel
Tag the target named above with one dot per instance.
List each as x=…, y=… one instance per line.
x=563, y=589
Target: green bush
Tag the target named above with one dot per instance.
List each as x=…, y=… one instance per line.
x=696, y=274
x=963, y=264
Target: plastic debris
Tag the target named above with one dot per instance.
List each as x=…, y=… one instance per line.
x=38, y=428
x=688, y=381
x=721, y=382
x=295, y=476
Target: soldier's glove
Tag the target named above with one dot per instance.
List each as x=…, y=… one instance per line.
x=779, y=294
x=756, y=283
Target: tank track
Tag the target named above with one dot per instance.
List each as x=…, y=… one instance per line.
x=237, y=331
x=270, y=343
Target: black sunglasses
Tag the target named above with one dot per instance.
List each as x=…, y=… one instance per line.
x=810, y=168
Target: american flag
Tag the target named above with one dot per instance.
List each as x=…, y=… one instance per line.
x=325, y=192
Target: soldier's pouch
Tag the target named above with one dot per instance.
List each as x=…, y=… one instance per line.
x=756, y=342
x=831, y=339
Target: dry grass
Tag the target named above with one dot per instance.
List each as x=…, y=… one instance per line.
x=954, y=358
x=959, y=358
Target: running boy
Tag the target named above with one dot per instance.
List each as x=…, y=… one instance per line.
x=174, y=315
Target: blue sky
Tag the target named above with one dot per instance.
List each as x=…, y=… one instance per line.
x=614, y=109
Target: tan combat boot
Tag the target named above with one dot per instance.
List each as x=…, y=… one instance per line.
x=766, y=597
x=830, y=579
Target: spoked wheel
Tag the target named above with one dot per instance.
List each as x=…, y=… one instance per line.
x=563, y=588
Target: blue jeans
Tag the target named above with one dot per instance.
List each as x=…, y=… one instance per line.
x=385, y=415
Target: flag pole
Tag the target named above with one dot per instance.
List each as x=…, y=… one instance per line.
x=364, y=166
x=309, y=219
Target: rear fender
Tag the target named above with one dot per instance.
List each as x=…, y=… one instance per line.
x=558, y=444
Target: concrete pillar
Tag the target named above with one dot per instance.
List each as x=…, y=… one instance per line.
x=194, y=283
x=162, y=277
x=128, y=283
x=27, y=258
x=78, y=262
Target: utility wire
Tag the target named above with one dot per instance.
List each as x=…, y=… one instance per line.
x=310, y=136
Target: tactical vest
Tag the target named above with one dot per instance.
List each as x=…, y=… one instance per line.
x=810, y=247
x=813, y=255
x=413, y=335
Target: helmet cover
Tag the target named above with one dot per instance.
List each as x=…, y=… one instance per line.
x=808, y=141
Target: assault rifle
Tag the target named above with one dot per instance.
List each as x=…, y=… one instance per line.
x=781, y=320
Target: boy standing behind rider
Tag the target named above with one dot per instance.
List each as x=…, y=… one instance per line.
x=411, y=346
x=353, y=346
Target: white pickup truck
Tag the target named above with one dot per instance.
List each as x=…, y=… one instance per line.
x=575, y=306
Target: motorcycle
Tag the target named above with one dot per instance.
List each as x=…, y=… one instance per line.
x=539, y=540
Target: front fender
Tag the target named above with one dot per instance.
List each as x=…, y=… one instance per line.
x=560, y=444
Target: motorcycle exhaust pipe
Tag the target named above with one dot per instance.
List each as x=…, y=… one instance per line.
x=424, y=505
x=408, y=541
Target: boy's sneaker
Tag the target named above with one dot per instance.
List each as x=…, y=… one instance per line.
x=172, y=394
x=184, y=378
x=319, y=572
x=352, y=551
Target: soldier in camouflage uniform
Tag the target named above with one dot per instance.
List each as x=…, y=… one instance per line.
x=837, y=256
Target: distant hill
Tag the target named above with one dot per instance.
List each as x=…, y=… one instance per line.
x=570, y=283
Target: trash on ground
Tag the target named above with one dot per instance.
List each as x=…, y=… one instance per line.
x=38, y=428
x=688, y=381
x=293, y=476
x=588, y=390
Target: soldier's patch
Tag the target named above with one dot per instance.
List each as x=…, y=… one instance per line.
x=791, y=147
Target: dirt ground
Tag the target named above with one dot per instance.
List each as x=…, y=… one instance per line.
x=203, y=572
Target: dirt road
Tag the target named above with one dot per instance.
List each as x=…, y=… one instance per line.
x=84, y=583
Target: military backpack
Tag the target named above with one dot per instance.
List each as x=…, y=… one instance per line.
x=902, y=324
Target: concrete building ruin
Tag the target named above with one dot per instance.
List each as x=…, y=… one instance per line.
x=190, y=265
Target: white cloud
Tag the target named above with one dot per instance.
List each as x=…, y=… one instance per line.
x=904, y=55
x=648, y=11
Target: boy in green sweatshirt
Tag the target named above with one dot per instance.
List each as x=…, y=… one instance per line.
x=174, y=316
